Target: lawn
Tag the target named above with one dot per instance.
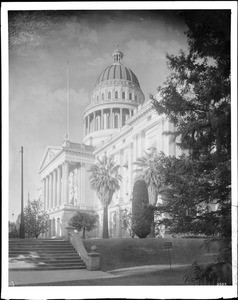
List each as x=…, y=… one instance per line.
x=125, y=253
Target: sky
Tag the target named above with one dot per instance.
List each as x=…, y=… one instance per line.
x=41, y=43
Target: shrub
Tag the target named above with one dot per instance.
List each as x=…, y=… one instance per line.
x=212, y=274
x=83, y=221
x=141, y=221
x=12, y=230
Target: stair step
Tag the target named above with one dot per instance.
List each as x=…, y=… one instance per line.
x=50, y=268
x=53, y=254
x=47, y=260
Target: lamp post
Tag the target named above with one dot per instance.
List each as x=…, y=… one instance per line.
x=22, y=224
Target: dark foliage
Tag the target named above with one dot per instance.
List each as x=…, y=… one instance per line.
x=83, y=221
x=12, y=230
x=141, y=221
x=142, y=214
x=36, y=220
x=196, y=99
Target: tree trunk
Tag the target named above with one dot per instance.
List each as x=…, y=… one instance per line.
x=105, y=234
x=83, y=233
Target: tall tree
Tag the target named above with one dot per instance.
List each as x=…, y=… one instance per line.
x=105, y=180
x=196, y=99
x=36, y=220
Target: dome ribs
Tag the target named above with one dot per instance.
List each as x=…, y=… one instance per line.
x=128, y=75
x=120, y=72
x=117, y=72
x=109, y=73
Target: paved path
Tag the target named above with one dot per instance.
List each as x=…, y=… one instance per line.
x=38, y=277
x=33, y=277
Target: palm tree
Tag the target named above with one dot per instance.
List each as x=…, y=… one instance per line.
x=105, y=180
x=150, y=168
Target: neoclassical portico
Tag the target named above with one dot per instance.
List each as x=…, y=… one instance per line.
x=64, y=184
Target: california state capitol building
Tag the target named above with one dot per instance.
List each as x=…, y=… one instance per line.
x=119, y=122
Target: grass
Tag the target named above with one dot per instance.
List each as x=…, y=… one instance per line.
x=125, y=253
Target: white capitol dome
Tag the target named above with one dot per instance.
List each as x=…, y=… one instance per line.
x=116, y=94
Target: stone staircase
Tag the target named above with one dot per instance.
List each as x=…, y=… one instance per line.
x=43, y=254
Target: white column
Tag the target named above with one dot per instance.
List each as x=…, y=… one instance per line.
x=82, y=176
x=50, y=190
x=130, y=168
x=134, y=156
x=113, y=114
x=94, y=121
x=53, y=189
x=121, y=173
x=47, y=192
x=66, y=182
x=79, y=186
x=110, y=122
x=120, y=118
x=101, y=119
x=58, y=186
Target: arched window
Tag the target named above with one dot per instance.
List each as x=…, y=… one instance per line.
x=102, y=96
x=116, y=94
x=130, y=96
x=116, y=119
x=109, y=95
x=123, y=95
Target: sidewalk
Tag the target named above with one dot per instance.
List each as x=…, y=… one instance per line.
x=37, y=277
x=62, y=276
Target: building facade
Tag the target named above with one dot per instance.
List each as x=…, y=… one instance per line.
x=118, y=122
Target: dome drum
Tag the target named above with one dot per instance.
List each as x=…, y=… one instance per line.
x=109, y=118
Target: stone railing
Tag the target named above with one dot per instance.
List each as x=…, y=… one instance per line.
x=92, y=259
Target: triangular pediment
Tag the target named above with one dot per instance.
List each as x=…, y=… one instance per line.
x=50, y=153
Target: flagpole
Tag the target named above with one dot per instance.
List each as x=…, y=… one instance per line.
x=22, y=224
x=68, y=124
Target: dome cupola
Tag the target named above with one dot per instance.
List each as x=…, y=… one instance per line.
x=117, y=55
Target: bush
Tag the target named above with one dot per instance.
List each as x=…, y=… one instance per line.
x=83, y=221
x=142, y=212
x=212, y=274
x=12, y=230
x=141, y=222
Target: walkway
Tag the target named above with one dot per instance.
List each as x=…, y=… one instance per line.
x=36, y=277
x=28, y=278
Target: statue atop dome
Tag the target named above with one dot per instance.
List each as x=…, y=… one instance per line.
x=117, y=55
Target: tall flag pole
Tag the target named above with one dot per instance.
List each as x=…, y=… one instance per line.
x=68, y=123
x=22, y=224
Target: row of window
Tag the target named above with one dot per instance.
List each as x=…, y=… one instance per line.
x=109, y=96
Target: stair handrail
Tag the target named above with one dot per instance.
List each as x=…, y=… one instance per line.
x=91, y=260
x=77, y=242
